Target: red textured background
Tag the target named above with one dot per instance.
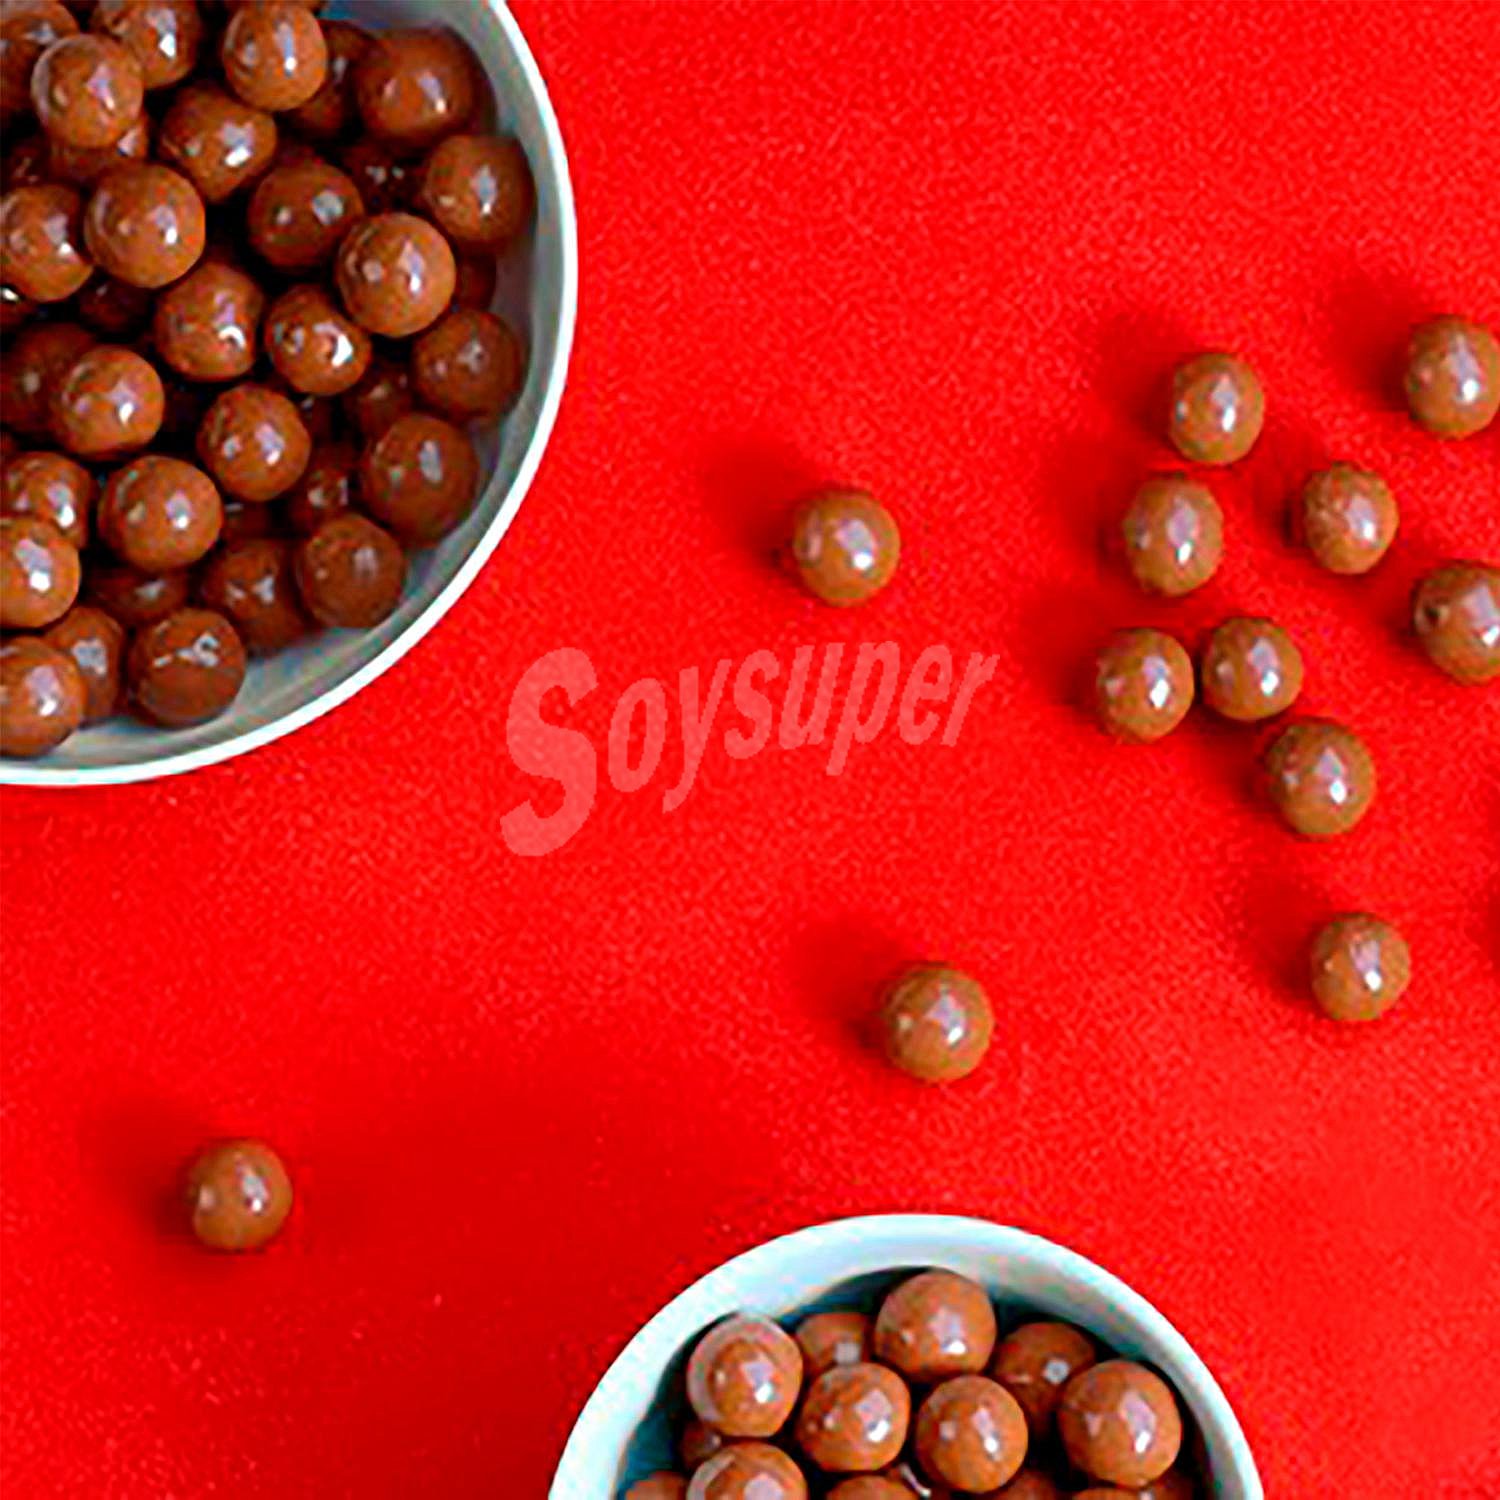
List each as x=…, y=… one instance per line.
x=947, y=251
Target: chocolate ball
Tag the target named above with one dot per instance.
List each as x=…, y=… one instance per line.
x=385, y=183
x=380, y=398
x=1453, y=377
x=218, y=142
x=110, y=401
x=253, y=442
x=27, y=31
x=1143, y=685
x=329, y=487
x=51, y=488
x=207, y=327
x=251, y=584
x=869, y=1487
x=274, y=55
x=477, y=188
x=854, y=1419
x=1456, y=612
x=349, y=572
x=935, y=1325
x=419, y=478
x=661, y=1486
x=315, y=348
x=185, y=668
x=935, y=1023
x=415, y=86
x=113, y=308
x=971, y=1433
x=31, y=370
x=238, y=1195
x=468, y=365
x=41, y=239
x=39, y=573
x=42, y=696
x=1174, y=535
x=1361, y=966
x=132, y=597
x=1252, y=670
x=87, y=90
x=748, y=1471
x=95, y=643
x=845, y=545
x=743, y=1377
x=395, y=273
x=1034, y=1362
x=145, y=224
x=1119, y=1422
x=833, y=1338
x=1348, y=518
x=159, y=513
x=332, y=110
x=300, y=213
x=475, y=282
x=15, y=310
x=1321, y=778
x=163, y=35
x=1218, y=409
x=85, y=165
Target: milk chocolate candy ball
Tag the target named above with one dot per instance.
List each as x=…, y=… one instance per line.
x=27, y=29
x=935, y=1325
x=380, y=398
x=207, y=327
x=274, y=56
x=395, y=273
x=744, y=1376
x=1034, y=1362
x=185, y=668
x=1453, y=377
x=833, y=1338
x=95, y=643
x=1174, y=535
x=661, y=1486
x=413, y=87
x=85, y=165
x=251, y=584
x=300, y=213
x=218, y=142
x=971, y=1433
x=332, y=110
x=87, y=90
x=385, y=183
x=329, y=487
x=468, y=365
x=1348, y=518
x=15, y=310
x=314, y=346
x=31, y=370
x=349, y=572
x=748, y=1471
x=163, y=35
x=1456, y=612
x=159, y=513
x=145, y=224
x=854, y=1419
x=238, y=1195
x=1119, y=1422
x=1143, y=685
x=109, y=402
x=1361, y=966
x=419, y=478
x=41, y=697
x=1321, y=778
x=253, y=442
x=42, y=242
x=477, y=189
x=39, y=573
x=869, y=1487
x=51, y=488
x=936, y=1023
x=114, y=310
x=845, y=546
x=1218, y=409
x=132, y=597
x=1252, y=670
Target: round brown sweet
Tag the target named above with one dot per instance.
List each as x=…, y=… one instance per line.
x=869, y=1487
x=748, y=1471
x=349, y=572
x=39, y=573
x=1119, y=1422
x=1035, y=1361
x=109, y=401
x=163, y=35
x=299, y=214
x=385, y=182
x=833, y=1338
x=95, y=643
x=1361, y=966
x=419, y=478
x=238, y=1195
x=114, y=308
x=662, y=1486
x=132, y=597
x=207, y=327
x=845, y=545
x=475, y=282
x=87, y=90
x=1321, y=778
x=145, y=224
x=253, y=442
x=477, y=188
x=218, y=142
x=395, y=273
x=1252, y=670
x=51, y=488
x=1348, y=518
x=313, y=345
x=1174, y=535
x=84, y=165
x=42, y=241
x=743, y=1377
x=42, y=696
x=274, y=55
x=1456, y=613
x=1218, y=409
x=185, y=668
x=935, y=1325
x=379, y=399
x=252, y=585
x=935, y=1023
x=30, y=371
x=854, y=1419
x=468, y=365
x=698, y=1442
x=328, y=487
x=332, y=110
x=971, y=1433
x=15, y=310
x=1143, y=685
x=1453, y=377
x=415, y=86
x=158, y=513
x=27, y=29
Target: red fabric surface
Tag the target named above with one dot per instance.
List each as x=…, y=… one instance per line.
x=948, y=251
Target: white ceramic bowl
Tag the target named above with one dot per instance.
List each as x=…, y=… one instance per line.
x=538, y=293
x=625, y=1430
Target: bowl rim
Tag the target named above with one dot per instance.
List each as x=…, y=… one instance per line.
x=867, y=1244
x=38, y=774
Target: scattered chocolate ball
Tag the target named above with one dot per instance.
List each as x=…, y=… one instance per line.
x=185, y=668
x=207, y=326
x=935, y=1325
x=132, y=597
x=1034, y=1362
x=42, y=241
x=1252, y=670
x=395, y=273
x=42, y=695
x=477, y=189
x=833, y=1338
x=380, y=398
x=468, y=365
x=1456, y=613
x=274, y=55
x=328, y=487
x=1321, y=778
x=744, y=1376
x=95, y=642
x=314, y=347
x=658, y=1487
x=936, y=1023
x=415, y=86
x=419, y=478
x=748, y=1471
x=1143, y=685
x=1174, y=535
x=1119, y=1422
x=1453, y=377
x=109, y=402
x=87, y=90
x=51, y=488
x=145, y=224
x=15, y=310
x=163, y=35
x=219, y=143
x=300, y=213
x=1218, y=409
x=158, y=513
x=1361, y=966
x=251, y=584
x=238, y=1194
x=332, y=110
x=349, y=572
x=385, y=183
x=854, y=1419
x=27, y=31
x=39, y=573
x=85, y=165
x=253, y=442
x=31, y=370
x=845, y=545
x=1348, y=518
x=971, y=1433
